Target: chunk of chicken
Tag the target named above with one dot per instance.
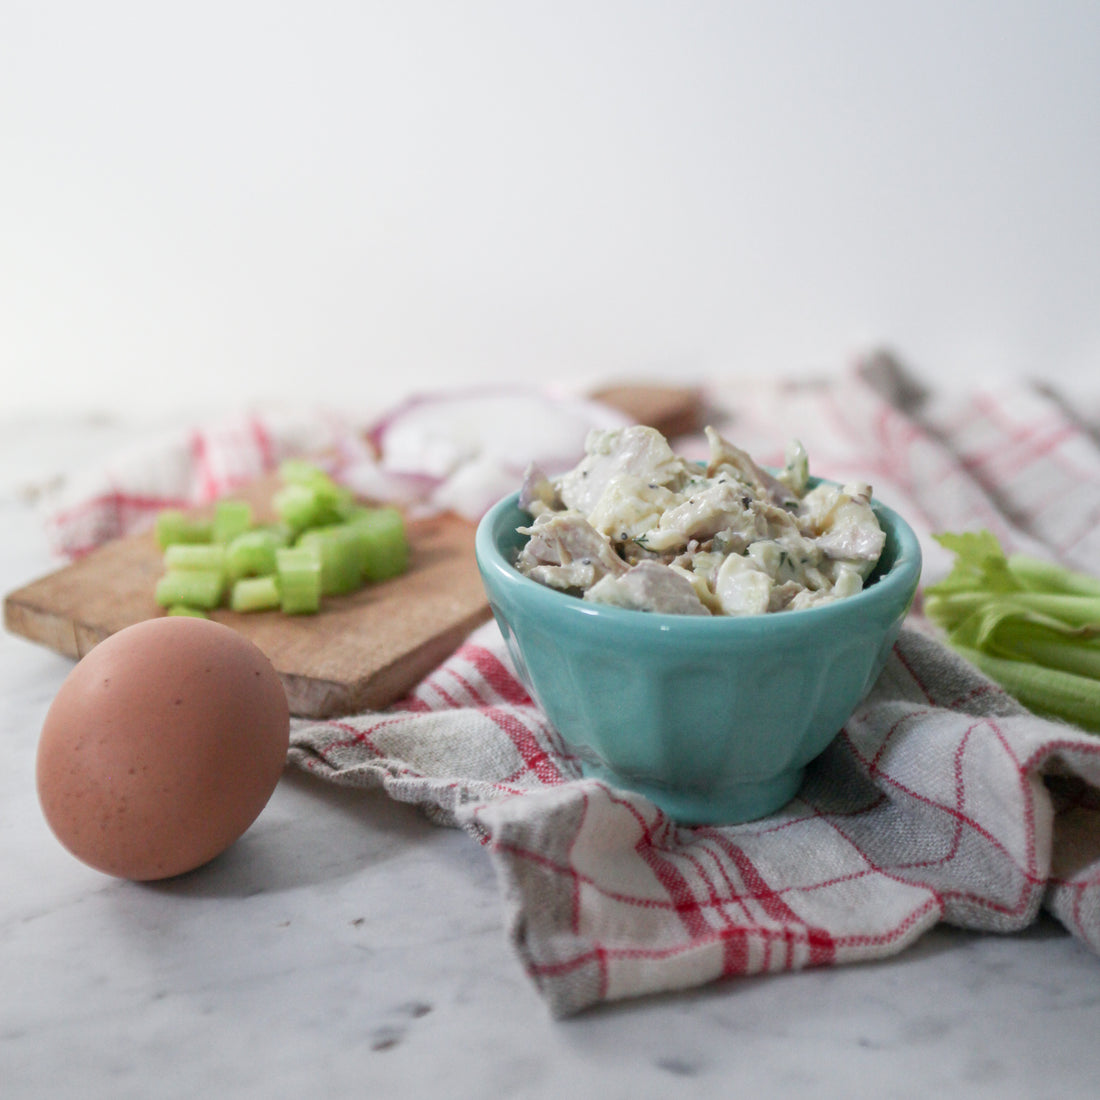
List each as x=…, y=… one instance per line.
x=565, y=551
x=722, y=506
x=649, y=586
x=844, y=524
x=629, y=508
x=725, y=454
x=636, y=452
x=537, y=493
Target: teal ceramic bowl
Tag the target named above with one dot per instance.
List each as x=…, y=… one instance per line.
x=713, y=719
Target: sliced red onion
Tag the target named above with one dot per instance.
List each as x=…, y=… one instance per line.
x=468, y=448
x=475, y=487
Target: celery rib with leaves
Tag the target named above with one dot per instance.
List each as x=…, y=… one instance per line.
x=1031, y=625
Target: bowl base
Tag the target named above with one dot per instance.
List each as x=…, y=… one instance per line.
x=730, y=805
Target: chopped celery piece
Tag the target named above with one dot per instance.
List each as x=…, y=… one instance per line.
x=255, y=594
x=1031, y=625
x=282, y=534
x=231, y=518
x=340, y=548
x=297, y=471
x=201, y=588
x=299, y=579
x=175, y=526
x=205, y=555
x=356, y=512
x=190, y=612
x=309, y=497
x=252, y=554
x=386, y=545
x=299, y=508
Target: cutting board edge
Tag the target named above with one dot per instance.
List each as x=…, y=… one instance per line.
x=49, y=629
x=320, y=699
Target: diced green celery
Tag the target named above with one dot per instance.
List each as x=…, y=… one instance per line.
x=231, y=518
x=189, y=612
x=255, y=594
x=386, y=545
x=175, y=526
x=323, y=543
x=309, y=497
x=205, y=555
x=252, y=554
x=300, y=507
x=294, y=505
x=201, y=588
x=340, y=548
x=356, y=511
x=282, y=534
x=299, y=579
x=297, y=471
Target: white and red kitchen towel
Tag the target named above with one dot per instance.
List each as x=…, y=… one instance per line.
x=941, y=799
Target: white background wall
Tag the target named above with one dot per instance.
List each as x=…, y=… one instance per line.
x=217, y=201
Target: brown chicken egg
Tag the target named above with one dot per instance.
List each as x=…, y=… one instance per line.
x=162, y=747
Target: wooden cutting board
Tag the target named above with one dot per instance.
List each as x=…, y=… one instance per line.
x=361, y=651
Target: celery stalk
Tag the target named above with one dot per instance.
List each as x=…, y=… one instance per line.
x=1044, y=576
x=1049, y=691
x=1068, y=656
x=1071, y=610
x=1033, y=626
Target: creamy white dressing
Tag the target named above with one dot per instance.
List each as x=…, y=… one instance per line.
x=637, y=526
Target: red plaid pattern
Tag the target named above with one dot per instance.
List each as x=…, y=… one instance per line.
x=191, y=467
x=942, y=798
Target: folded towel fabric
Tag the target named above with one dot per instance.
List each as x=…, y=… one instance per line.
x=942, y=799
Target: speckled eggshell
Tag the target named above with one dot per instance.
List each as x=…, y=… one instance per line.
x=162, y=747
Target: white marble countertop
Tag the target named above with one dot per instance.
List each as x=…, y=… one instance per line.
x=346, y=947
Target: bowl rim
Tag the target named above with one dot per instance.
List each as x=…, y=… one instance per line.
x=889, y=590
